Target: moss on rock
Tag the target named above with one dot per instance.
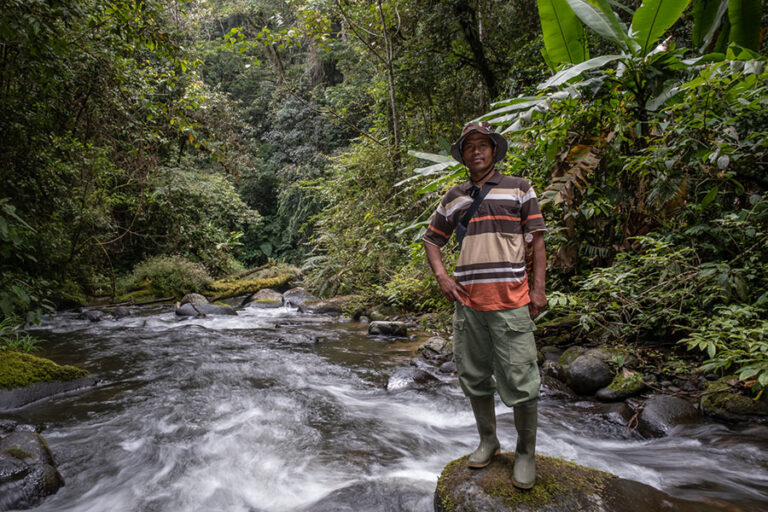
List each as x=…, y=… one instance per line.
x=560, y=486
x=627, y=382
x=557, y=480
x=278, y=276
x=144, y=293
x=723, y=401
x=19, y=370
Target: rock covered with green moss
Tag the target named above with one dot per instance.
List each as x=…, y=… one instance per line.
x=723, y=401
x=561, y=486
x=19, y=370
x=25, y=378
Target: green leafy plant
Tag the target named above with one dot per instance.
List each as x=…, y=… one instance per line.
x=169, y=276
x=735, y=339
x=13, y=339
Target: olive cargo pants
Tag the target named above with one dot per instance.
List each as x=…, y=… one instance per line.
x=500, y=344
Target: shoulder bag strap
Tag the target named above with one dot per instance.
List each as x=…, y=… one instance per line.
x=461, y=228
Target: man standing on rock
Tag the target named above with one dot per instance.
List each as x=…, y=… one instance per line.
x=494, y=216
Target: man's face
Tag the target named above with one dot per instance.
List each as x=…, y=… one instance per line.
x=478, y=152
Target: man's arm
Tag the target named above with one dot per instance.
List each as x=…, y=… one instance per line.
x=452, y=290
x=537, y=287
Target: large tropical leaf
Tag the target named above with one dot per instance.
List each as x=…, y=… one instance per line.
x=597, y=15
x=745, y=16
x=707, y=18
x=574, y=71
x=564, y=36
x=652, y=19
x=497, y=116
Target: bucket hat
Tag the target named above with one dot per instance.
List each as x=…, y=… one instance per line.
x=486, y=129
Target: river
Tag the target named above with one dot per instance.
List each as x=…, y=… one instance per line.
x=273, y=410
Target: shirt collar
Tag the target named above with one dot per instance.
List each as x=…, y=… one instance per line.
x=494, y=179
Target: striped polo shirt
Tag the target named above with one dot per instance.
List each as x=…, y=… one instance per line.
x=492, y=260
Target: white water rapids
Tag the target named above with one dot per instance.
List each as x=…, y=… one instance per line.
x=276, y=411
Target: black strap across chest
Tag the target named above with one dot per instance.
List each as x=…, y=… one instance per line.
x=461, y=228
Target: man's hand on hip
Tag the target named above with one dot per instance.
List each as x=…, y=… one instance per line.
x=452, y=290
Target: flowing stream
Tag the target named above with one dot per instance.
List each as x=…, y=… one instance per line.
x=272, y=410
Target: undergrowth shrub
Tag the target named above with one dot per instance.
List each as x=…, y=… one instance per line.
x=169, y=276
x=11, y=338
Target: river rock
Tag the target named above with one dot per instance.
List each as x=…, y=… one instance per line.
x=19, y=397
x=410, y=378
x=27, y=471
x=193, y=298
x=332, y=306
x=195, y=310
x=93, y=315
x=448, y=367
x=437, y=349
x=295, y=297
x=586, y=374
x=384, y=328
x=266, y=298
x=121, y=312
x=624, y=385
x=570, y=355
x=662, y=412
x=722, y=401
x=560, y=487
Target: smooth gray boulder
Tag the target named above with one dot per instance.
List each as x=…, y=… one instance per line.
x=295, y=297
x=193, y=298
x=195, y=310
x=586, y=374
x=27, y=471
x=333, y=306
x=384, y=328
x=19, y=397
x=662, y=412
x=121, y=312
x=410, y=378
x=94, y=315
x=266, y=298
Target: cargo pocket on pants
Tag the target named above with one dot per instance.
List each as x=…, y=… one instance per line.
x=520, y=327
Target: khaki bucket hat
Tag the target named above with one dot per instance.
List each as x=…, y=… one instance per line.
x=486, y=129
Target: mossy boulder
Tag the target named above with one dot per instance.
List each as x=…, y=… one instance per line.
x=19, y=370
x=266, y=299
x=278, y=277
x=624, y=385
x=144, y=292
x=25, y=378
x=723, y=401
x=570, y=355
x=560, y=486
x=333, y=306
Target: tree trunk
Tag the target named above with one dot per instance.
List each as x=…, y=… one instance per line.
x=467, y=18
x=391, y=83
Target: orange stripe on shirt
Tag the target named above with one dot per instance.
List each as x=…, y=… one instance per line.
x=496, y=217
x=530, y=217
x=497, y=296
x=438, y=232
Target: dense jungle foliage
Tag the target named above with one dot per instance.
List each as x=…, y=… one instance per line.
x=210, y=136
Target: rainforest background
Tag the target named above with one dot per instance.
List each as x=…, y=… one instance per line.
x=182, y=141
